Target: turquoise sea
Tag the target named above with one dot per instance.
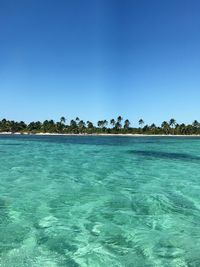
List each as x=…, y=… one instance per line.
x=99, y=201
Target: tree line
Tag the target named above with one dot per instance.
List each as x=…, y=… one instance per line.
x=113, y=126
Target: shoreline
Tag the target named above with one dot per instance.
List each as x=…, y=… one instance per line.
x=103, y=134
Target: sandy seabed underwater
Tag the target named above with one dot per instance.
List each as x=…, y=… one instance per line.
x=99, y=201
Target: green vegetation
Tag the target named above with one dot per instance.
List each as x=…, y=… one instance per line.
x=114, y=126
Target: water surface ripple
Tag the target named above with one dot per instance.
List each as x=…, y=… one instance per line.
x=99, y=201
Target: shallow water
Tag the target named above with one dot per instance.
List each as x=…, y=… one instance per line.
x=99, y=201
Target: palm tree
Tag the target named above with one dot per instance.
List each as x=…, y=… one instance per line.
x=195, y=123
x=172, y=123
x=153, y=128
x=141, y=122
x=165, y=127
x=100, y=124
x=81, y=124
x=146, y=128
x=90, y=124
x=119, y=119
x=49, y=126
x=118, y=125
x=196, y=126
x=73, y=127
x=112, y=122
x=126, y=124
x=105, y=123
x=34, y=126
x=62, y=120
x=22, y=125
x=183, y=128
x=73, y=124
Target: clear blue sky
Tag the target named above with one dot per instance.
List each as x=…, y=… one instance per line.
x=99, y=59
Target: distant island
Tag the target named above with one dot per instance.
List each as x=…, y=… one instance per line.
x=113, y=126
